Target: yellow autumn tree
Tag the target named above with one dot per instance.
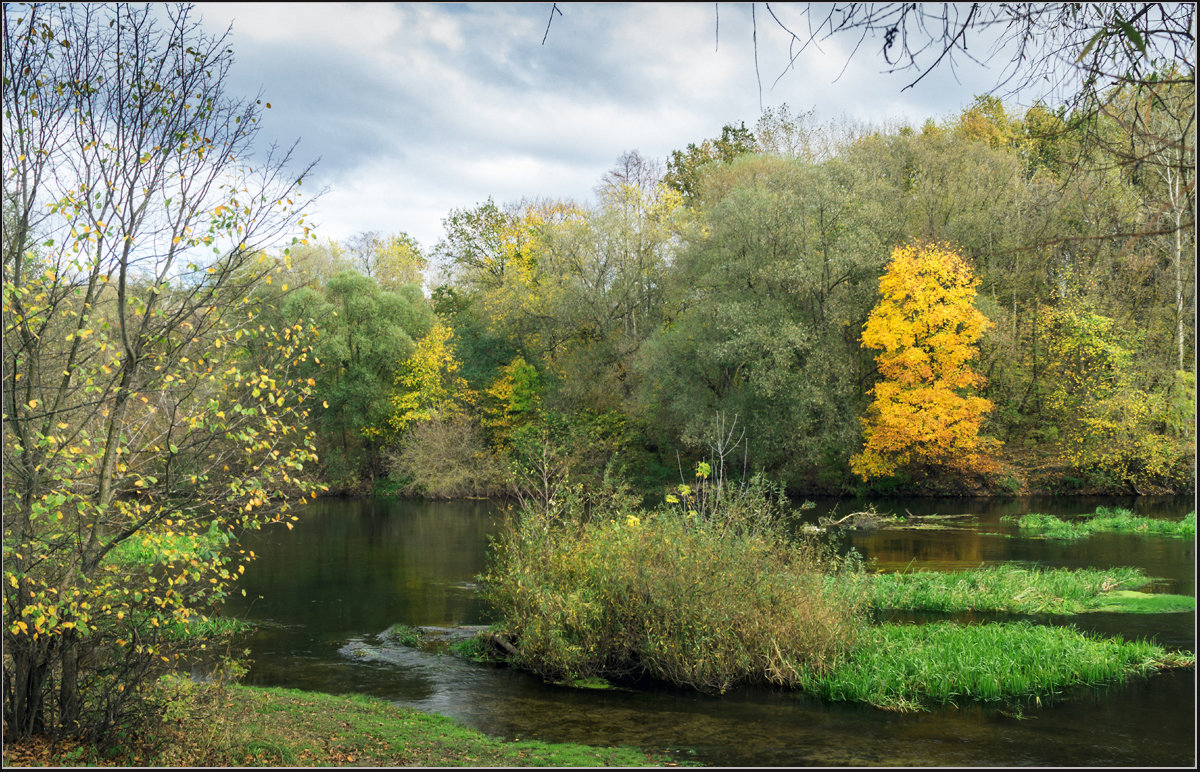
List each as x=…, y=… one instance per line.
x=430, y=386
x=924, y=414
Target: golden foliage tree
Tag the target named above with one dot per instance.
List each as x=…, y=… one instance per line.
x=924, y=414
x=429, y=386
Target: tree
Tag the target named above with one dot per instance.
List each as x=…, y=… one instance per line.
x=365, y=335
x=684, y=166
x=1072, y=49
x=762, y=309
x=1106, y=426
x=1082, y=56
x=393, y=260
x=138, y=436
x=923, y=414
x=429, y=385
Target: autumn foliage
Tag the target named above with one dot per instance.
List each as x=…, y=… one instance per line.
x=924, y=413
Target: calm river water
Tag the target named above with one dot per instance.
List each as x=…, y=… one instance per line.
x=351, y=568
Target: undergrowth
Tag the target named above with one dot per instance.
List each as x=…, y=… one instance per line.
x=688, y=597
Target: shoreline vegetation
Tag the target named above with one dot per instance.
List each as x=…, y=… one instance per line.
x=712, y=591
x=231, y=725
x=1104, y=520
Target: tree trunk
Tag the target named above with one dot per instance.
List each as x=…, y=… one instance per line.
x=24, y=709
x=69, y=688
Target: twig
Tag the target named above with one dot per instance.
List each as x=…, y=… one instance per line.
x=553, y=9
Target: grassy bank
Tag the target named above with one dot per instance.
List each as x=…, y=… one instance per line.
x=1104, y=520
x=240, y=726
x=1017, y=590
x=906, y=667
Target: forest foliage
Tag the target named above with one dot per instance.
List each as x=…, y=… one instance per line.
x=991, y=302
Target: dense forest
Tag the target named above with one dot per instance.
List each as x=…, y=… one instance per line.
x=732, y=284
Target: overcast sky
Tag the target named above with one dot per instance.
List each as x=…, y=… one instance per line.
x=416, y=109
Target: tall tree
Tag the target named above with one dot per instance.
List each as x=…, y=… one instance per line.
x=685, y=166
x=761, y=312
x=135, y=230
x=365, y=335
x=924, y=414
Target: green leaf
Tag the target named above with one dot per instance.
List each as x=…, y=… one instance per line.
x=1091, y=44
x=1132, y=35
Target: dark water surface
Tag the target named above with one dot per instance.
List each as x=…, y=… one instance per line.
x=352, y=568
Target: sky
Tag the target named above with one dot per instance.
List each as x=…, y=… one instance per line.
x=417, y=109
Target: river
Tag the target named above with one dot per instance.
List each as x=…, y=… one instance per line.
x=351, y=568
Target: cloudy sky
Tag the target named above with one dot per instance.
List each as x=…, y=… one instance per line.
x=416, y=109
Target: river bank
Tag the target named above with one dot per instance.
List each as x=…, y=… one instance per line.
x=243, y=726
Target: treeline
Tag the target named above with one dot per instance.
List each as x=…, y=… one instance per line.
x=735, y=281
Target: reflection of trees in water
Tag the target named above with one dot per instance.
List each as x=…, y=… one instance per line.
x=899, y=547
x=362, y=564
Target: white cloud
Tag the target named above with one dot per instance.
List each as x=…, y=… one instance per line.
x=416, y=109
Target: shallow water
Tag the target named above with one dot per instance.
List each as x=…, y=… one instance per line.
x=351, y=568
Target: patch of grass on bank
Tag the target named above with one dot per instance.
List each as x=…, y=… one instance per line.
x=1130, y=602
x=165, y=548
x=907, y=667
x=1018, y=590
x=1104, y=520
x=255, y=727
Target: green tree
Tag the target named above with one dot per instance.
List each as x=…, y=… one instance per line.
x=366, y=334
x=1106, y=425
x=429, y=385
x=684, y=166
x=133, y=420
x=762, y=312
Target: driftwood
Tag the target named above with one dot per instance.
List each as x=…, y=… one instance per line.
x=503, y=644
x=866, y=520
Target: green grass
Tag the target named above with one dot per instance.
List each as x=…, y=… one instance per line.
x=207, y=627
x=1017, y=590
x=403, y=635
x=1104, y=520
x=256, y=727
x=159, y=547
x=908, y=667
x=1130, y=602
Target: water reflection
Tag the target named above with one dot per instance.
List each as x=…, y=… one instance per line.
x=352, y=568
